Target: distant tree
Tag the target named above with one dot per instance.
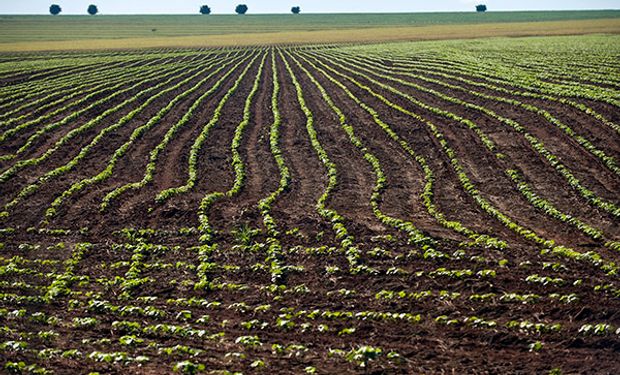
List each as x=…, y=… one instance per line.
x=241, y=9
x=481, y=8
x=205, y=9
x=55, y=9
x=295, y=10
x=92, y=10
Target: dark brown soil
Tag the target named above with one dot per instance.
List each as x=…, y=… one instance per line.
x=146, y=278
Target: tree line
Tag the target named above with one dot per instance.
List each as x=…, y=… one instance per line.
x=92, y=9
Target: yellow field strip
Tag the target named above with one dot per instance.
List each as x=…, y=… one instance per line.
x=383, y=34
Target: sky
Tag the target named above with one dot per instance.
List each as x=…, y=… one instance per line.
x=284, y=6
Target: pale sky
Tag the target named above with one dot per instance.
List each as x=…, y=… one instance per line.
x=284, y=6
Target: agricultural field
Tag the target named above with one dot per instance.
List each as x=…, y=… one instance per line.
x=71, y=27
x=69, y=32
x=428, y=207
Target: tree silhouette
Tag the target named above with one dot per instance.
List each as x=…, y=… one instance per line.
x=241, y=9
x=205, y=9
x=92, y=10
x=295, y=10
x=55, y=9
x=481, y=8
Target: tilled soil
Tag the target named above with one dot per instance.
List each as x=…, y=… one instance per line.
x=342, y=284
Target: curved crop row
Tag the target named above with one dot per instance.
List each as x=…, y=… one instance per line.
x=87, y=99
x=337, y=221
x=237, y=160
x=120, y=152
x=556, y=70
x=438, y=69
x=73, y=84
x=470, y=188
x=109, y=77
x=15, y=93
x=608, y=161
x=207, y=201
x=52, y=92
x=535, y=143
x=163, y=74
x=197, y=145
x=499, y=79
x=62, y=93
x=266, y=203
x=541, y=83
x=427, y=194
x=137, y=133
x=549, y=209
x=21, y=164
x=414, y=234
x=484, y=82
x=155, y=152
x=95, y=63
x=274, y=250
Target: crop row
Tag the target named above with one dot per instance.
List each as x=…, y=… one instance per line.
x=107, y=172
x=61, y=93
x=337, y=221
x=427, y=194
x=536, y=144
x=274, y=252
x=167, y=76
x=202, y=136
x=137, y=133
x=168, y=137
x=209, y=199
x=585, y=143
x=464, y=179
x=522, y=186
x=485, y=82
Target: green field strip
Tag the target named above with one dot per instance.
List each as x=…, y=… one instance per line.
x=70, y=27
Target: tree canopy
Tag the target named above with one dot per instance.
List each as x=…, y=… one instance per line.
x=296, y=10
x=55, y=9
x=92, y=10
x=205, y=9
x=241, y=9
x=481, y=8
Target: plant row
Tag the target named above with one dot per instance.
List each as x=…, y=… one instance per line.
x=168, y=137
x=427, y=194
x=136, y=134
x=466, y=183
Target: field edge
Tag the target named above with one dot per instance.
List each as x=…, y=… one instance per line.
x=356, y=35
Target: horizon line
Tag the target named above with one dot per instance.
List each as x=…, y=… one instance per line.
x=312, y=13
